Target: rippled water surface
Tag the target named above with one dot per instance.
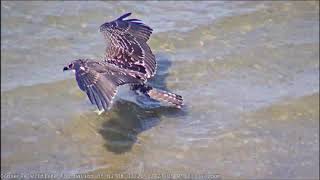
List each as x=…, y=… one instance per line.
x=248, y=71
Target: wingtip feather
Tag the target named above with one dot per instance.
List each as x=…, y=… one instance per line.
x=124, y=16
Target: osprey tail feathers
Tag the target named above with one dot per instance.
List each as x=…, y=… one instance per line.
x=160, y=95
x=164, y=96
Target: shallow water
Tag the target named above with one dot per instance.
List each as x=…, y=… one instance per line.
x=248, y=71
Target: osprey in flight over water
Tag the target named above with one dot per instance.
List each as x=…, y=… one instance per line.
x=128, y=60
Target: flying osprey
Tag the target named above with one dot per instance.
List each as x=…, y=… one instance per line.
x=128, y=60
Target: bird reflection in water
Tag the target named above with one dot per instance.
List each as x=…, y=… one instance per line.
x=127, y=119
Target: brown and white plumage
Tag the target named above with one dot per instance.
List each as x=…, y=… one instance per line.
x=127, y=45
x=100, y=80
x=129, y=60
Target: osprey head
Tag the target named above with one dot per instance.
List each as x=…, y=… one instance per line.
x=74, y=65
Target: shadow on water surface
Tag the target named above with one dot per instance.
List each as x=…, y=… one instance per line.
x=128, y=119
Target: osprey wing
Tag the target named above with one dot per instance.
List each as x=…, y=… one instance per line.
x=100, y=82
x=127, y=47
x=132, y=26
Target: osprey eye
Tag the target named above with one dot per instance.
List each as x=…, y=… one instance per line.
x=70, y=65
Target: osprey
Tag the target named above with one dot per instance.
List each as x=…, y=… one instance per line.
x=128, y=60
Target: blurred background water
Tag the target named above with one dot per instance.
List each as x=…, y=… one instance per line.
x=248, y=71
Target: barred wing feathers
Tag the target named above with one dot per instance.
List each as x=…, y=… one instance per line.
x=128, y=46
x=132, y=26
x=100, y=82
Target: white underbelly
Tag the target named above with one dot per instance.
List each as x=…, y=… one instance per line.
x=126, y=94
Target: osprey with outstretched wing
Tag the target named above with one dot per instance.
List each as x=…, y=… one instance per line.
x=128, y=60
x=128, y=46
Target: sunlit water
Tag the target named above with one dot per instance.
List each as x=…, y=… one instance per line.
x=248, y=71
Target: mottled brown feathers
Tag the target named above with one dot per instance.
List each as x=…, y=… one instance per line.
x=127, y=45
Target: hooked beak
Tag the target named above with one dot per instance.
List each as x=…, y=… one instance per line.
x=65, y=68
